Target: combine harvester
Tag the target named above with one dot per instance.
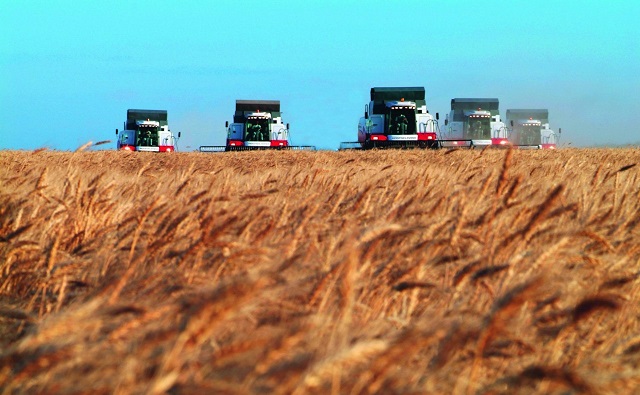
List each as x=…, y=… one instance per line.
x=396, y=118
x=474, y=123
x=146, y=130
x=257, y=125
x=530, y=129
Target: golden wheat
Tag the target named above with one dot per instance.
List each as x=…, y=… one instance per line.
x=493, y=271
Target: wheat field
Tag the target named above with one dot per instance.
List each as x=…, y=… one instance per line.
x=373, y=272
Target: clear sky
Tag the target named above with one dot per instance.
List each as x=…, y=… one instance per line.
x=69, y=70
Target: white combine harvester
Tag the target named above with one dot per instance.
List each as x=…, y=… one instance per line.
x=257, y=125
x=396, y=117
x=474, y=123
x=530, y=129
x=146, y=130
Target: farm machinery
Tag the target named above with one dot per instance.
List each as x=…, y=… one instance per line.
x=146, y=130
x=530, y=129
x=474, y=122
x=396, y=117
x=257, y=125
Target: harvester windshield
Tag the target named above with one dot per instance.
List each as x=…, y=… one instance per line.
x=478, y=127
x=528, y=134
x=402, y=120
x=147, y=136
x=257, y=129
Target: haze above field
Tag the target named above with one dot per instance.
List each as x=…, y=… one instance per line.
x=70, y=70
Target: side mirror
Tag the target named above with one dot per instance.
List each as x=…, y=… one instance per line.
x=287, y=126
x=446, y=122
x=438, y=116
x=559, y=130
x=512, y=123
x=179, y=133
x=226, y=124
x=366, y=115
x=116, y=132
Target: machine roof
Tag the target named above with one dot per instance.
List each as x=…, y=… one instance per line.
x=153, y=115
x=380, y=94
x=541, y=114
x=460, y=105
x=474, y=103
x=255, y=105
x=244, y=107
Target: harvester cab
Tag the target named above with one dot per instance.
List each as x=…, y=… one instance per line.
x=530, y=129
x=474, y=122
x=396, y=118
x=147, y=135
x=146, y=130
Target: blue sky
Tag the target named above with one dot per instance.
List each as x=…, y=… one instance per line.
x=69, y=70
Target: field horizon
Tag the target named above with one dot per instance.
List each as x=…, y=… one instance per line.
x=357, y=272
